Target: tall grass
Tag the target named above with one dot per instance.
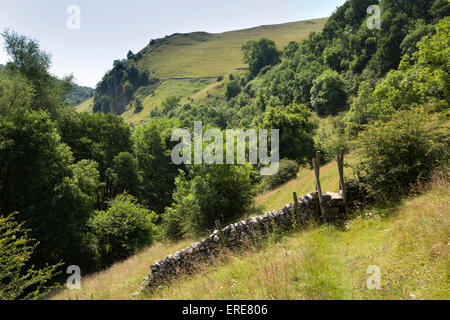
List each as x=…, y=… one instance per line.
x=121, y=280
x=409, y=243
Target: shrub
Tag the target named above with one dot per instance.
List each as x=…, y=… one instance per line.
x=139, y=105
x=123, y=229
x=259, y=54
x=296, y=129
x=17, y=279
x=213, y=192
x=288, y=170
x=233, y=89
x=130, y=55
x=400, y=152
x=331, y=139
x=328, y=95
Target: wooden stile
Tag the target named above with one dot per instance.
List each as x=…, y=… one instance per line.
x=319, y=190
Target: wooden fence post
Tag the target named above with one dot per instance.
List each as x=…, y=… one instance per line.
x=342, y=182
x=341, y=156
x=296, y=208
x=221, y=235
x=318, y=165
x=319, y=190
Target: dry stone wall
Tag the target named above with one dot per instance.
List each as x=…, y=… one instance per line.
x=239, y=234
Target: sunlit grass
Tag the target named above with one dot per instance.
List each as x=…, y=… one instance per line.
x=211, y=55
x=305, y=183
x=86, y=106
x=408, y=242
x=121, y=280
x=203, y=55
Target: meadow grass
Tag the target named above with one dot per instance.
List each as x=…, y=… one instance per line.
x=86, y=106
x=182, y=89
x=304, y=184
x=202, y=54
x=121, y=280
x=408, y=242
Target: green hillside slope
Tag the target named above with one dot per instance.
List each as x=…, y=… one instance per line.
x=129, y=274
x=202, y=54
x=408, y=243
x=189, y=64
x=321, y=262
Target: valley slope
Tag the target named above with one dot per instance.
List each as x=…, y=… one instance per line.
x=189, y=63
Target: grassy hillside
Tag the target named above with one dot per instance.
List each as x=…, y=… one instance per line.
x=179, y=88
x=305, y=183
x=128, y=275
x=202, y=54
x=189, y=64
x=86, y=106
x=408, y=242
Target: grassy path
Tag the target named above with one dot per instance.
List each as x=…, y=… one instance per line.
x=409, y=243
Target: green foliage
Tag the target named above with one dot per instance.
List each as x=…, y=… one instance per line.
x=333, y=55
x=78, y=95
x=422, y=79
x=138, y=104
x=291, y=80
x=155, y=165
x=36, y=179
x=421, y=29
x=125, y=174
x=123, y=229
x=362, y=110
x=170, y=104
x=259, y=54
x=209, y=193
x=287, y=171
x=328, y=95
x=440, y=9
x=98, y=137
x=118, y=86
x=87, y=177
x=16, y=93
x=348, y=47
x=17, y=279
x=331, y=139
x=233, y=89
x=395, y=154
x=296, y=130
x=28, y=60
x=27, y=57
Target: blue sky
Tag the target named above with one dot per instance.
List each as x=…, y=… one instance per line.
x=109, y=28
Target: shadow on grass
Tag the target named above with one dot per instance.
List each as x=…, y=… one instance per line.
x=255, y=211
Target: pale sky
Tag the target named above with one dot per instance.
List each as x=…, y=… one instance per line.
x=109, y=28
